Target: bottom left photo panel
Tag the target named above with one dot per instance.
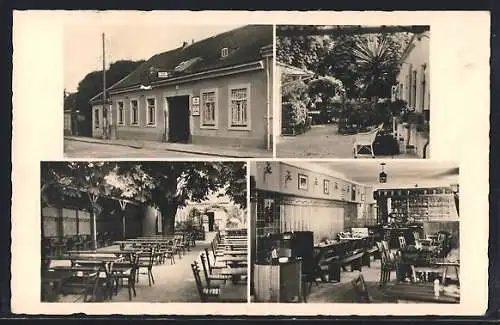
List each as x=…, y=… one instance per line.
x=144, y=231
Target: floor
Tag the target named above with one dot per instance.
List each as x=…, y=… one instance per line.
x=321, y=141
x=343, y=292
x=173, y=283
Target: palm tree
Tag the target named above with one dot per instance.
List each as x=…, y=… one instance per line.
x=377, y=57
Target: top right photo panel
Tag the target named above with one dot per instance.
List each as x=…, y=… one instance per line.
x=353, y=91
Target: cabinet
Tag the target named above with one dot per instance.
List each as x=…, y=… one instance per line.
x=281, y=282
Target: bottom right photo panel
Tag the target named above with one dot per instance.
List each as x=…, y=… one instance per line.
x=355, y=231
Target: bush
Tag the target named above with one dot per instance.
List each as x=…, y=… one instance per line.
x=294, y=108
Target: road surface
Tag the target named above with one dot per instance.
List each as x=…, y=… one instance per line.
x=78, y=149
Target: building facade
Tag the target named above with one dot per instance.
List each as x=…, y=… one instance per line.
x=215, y=91
x=413, y=87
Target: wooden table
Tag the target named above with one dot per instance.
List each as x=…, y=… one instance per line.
x=416, y=293
x=233, y=293
x=235, y=252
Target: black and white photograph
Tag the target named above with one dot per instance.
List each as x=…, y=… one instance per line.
x=387, y=232
x=189, y=91
x=350, y=91
x=135, y=231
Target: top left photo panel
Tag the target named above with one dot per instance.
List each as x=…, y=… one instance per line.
x=167, y=91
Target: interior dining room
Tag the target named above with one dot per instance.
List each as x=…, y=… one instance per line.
x=355, y=232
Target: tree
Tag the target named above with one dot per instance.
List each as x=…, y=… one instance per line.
x=165, y=185
x=92, y=84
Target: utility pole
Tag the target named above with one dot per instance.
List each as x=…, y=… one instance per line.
x=104, y=108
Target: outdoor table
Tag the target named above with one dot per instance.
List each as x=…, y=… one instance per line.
x=52, y=281
x=235, y=252
x=94, y=259
x=236, y=273
x=233, y=293
x=443, y=262
x=417, y=293
x=231, y=258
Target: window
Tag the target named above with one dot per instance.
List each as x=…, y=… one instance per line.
x=96, y=118
x=414, y=89
x=121, y=120
x=208, y=104
x=423, y=88
x=224, y=52
x=151, y=111
x=134, y=112
x=239, y=99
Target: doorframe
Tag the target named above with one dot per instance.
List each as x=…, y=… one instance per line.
x=173, y=93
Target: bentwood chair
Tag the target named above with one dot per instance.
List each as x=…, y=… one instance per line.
x=364, y=142
x=146, y=261
x=361, y=289
x=209, y=276
x=127, y=271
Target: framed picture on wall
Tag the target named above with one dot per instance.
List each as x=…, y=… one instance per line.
x=326, y=186
x=303, y=182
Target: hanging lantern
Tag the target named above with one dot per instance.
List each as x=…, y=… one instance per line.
x=382, y=177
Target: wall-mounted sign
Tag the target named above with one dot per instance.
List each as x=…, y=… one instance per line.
x=163, y=74
x=195, y=107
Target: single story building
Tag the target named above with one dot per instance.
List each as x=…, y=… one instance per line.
x=214, y=91
x=413, y=87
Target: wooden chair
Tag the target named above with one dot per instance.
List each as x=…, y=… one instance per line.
x=387, y=265
x=126, y=270
x=84, y=285
x=213, y=265
x=361, y=289
x=146, y=260
x=209, y=276
x=206, y=293
x=364, y=141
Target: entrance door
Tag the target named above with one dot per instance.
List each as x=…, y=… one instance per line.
x=211, y=221
x=178, y=119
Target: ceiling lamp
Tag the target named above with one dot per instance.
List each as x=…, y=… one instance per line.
x=382, y=177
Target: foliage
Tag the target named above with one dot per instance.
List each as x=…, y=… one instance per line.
x=325, y=93
x=92, y=84
x=294, y=100
x=366, y=64
x=166, y=186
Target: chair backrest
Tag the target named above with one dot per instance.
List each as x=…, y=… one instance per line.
x=361, y=289
x=203, y=261
x=197, y=279
x=147, y=256
x=402, y=242
x=208, y=260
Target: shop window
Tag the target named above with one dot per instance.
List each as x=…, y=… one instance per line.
x=134, y=112
x=209, y=108
x=151, y=111
x=121, y=120
x=239, y=107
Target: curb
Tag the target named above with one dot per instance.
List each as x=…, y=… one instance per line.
x=201, y=153
x=111, y=143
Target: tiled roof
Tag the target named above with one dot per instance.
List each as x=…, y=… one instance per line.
x=244, y=45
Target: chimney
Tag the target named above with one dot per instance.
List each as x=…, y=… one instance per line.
x=184, y=44
x=192, y=41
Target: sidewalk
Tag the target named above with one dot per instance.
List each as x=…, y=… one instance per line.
x=218, y=151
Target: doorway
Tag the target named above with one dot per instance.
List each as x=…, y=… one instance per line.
x=211, y=220
x=178, y=119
